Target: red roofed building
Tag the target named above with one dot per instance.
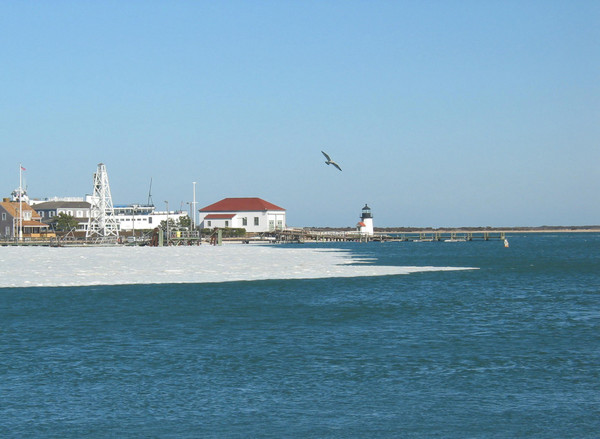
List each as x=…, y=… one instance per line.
x=252, y=214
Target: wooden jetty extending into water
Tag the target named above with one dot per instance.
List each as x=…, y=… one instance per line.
x=46, y=242
x=290, y=235
x=308, y=235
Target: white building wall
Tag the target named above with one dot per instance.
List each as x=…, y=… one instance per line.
x=220, y=223
x=265, y=220
x=368, y=228
x=276, y=221
x=76, y=212
x=146, y=222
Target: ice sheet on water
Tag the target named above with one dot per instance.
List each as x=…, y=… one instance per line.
x=75, y=266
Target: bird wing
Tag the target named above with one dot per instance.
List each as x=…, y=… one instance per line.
x=326, y=156
x=336, y=165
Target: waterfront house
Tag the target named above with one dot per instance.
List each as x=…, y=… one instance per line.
x=15, y=216
x=130, y=217
x=79, y=210
x=253, y=214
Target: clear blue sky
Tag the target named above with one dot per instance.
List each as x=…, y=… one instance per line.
x=441, y=113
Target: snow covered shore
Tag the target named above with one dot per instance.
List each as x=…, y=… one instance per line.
x=75, y=266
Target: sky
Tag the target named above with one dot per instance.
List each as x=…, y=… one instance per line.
x=440, y=113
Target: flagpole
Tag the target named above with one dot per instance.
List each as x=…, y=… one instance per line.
x=20, y=202
x=194, y=209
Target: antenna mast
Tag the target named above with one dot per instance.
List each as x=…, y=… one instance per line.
x=150, y=203
x=102, y=222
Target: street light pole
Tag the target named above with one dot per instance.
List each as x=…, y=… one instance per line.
x=194, y=209
x=134, y=208
x=167, y=203
x=20, y=202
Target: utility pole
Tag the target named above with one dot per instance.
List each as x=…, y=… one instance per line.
x=20, y=202
x=135, y=206
x=167, y=203
x=194, y=208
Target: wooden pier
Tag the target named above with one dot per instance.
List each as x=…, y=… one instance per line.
x=59, y=242
x=307, y=235
x=181, y=238
x=52, y=242
x=447, y=236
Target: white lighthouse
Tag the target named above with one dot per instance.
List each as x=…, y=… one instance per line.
x=365, y=226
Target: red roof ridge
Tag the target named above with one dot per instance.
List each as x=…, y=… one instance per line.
x=12, y=208
x=252, y=204
x=219, y=216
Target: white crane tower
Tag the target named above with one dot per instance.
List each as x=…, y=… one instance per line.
x=102, y=223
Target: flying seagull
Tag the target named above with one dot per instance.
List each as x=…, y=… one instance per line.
x=331, y=162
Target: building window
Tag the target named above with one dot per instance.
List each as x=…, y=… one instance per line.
x=150, y=220
x=226, y=223
x=208, y=223
x=3, y=216
x=256, y=221
x=244, y=221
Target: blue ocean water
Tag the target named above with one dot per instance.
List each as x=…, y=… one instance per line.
x=509, y=350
